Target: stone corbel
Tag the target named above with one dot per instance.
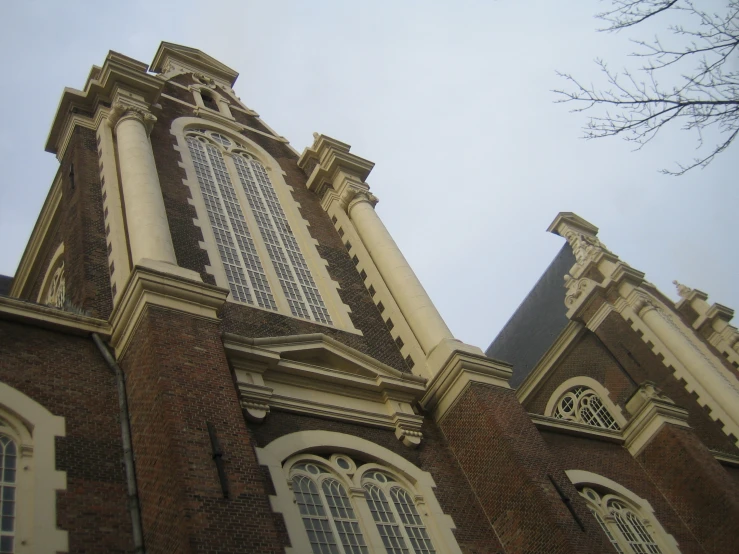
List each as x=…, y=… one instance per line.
x=254, y=395
x=121, y=110
x=408, y=429
x=650, y=410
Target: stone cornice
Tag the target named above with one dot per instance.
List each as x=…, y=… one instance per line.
x=147, y=286
x=117, y=71
x=39, y=235
x=650, y=411
x=460, y=366
x=12, y=309
x=317, y=375
x=333, y=159
x=577, y=429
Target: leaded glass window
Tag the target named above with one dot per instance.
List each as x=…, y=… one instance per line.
x=583, y=405
x=236, y=243
x=625, y=528
x=326, y=511
x=8, y=462
x=401, y=528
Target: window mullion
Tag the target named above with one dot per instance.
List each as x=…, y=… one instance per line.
x=277, y=291
x=285, y=249
x=227, y=222
x=396, y=514
x=330, y=518
x=366, y=521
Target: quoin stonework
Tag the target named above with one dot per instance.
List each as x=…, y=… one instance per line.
x=213, y=344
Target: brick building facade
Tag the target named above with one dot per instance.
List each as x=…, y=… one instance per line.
x=212, y=344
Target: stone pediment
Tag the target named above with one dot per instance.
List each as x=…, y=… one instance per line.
x=193, y=59
x=317, y=375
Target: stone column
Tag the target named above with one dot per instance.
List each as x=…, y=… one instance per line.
x=412, y=299
x=710, y=376
x=148, y=229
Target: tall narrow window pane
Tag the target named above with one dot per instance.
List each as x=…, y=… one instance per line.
x=8, y=458
x=346, y=522
x=295, y=278
x=316, y=522
x=244, y=271
x=420, y=540
x=389, y=530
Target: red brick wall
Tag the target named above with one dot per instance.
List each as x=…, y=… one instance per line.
x=614, y=462
x=700, y=490
x=79, y=224
x=590, y=358
x=179, y=379
x=473, y=533
x=507, y=463
x=85, y=246
x=67, y=375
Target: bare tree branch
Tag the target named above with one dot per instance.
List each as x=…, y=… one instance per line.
x=706, y=95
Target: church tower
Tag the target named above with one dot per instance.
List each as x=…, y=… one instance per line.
x=213, y=344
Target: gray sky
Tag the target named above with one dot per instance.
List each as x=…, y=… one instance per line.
x=452, y=102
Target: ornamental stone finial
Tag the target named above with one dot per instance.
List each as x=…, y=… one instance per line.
x=682, y=290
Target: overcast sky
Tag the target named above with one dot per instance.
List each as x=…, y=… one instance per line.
x=451, y=100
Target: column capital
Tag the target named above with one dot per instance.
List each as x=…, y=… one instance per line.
x=120, y=111
x=352, y=197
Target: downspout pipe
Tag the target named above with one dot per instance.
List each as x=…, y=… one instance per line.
x=133, y=496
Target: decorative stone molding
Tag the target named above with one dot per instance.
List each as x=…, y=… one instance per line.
x=460, y=366
x=317, y=375
x=650, y=410
x=149, y=287
x=122, y=110
x=577, y=429
x=51, y=318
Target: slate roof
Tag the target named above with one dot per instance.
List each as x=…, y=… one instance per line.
x=5, y=284
x=537, y=322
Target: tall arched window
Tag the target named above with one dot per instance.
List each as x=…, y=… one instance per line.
x=630, y=527
x=382, y=518
x=219, y=163
x=398, y=521
x=8, y=464
x=582, y=404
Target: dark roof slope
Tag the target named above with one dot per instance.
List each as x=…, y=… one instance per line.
x=537, y=322
x=5, y=284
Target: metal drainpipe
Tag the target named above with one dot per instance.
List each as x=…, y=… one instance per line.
x=133, y=496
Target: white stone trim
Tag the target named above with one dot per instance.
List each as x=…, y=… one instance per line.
x=318, y=266
x=53, y=264
x=563, y=426
x=319, y=376
x=34, y=427
x=640, y=505
x=51, y=318
x=590, y=383
x=440, y=526
x=401, y=328
x=113, y=203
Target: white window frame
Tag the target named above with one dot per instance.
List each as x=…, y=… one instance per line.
x=33, y=428
x=328, y=288
x=283, y=453
x=599, y=390
x=608, y=490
